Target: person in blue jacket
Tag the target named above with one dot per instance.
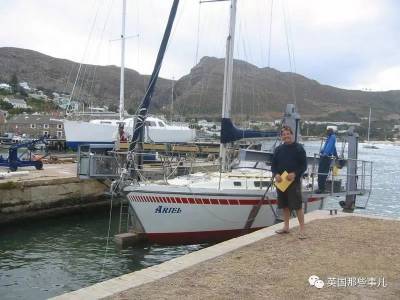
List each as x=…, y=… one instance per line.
x=326, y=153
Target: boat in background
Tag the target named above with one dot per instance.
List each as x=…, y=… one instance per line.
x=369, y=145
x=103, y=131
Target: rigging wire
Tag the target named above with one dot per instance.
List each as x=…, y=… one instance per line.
x=270, y=34
x=83, y=57
x=196, y=59
x=292, y=66
x=108, y=236
x=90, y=93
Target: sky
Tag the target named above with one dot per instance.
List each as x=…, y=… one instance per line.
x=348, y=44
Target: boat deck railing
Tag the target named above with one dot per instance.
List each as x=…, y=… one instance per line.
x=345, y=177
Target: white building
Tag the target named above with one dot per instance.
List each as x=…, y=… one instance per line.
x=5, y=87
x=17, y=103
x=25, y=86
x=38, y=95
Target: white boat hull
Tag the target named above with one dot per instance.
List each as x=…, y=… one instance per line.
x=80, y=132
x=176, y=215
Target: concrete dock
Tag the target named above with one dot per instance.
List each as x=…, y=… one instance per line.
x=30, y=193
x=354, y=256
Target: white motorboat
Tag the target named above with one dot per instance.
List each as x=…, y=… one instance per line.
x=104, y=131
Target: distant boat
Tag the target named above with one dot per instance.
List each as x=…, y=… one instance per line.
x=104, y=131
x=368, y=145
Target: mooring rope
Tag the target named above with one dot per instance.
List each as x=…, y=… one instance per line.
x=108, y=235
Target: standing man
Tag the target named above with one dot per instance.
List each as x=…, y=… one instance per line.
x=290, y=157
x=327, y=151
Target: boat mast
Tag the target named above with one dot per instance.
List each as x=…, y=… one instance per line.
x=228, y=71
x=141, y=112
x=122, y=76
x=172, y=98
x=369, y=123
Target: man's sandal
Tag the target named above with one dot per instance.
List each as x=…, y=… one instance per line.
x=302, y=236
x=282, y=231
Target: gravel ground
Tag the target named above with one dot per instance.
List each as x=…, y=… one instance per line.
x=349, y=254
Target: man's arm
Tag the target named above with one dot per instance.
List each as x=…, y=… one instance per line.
x=302, y=159
x=330, y=147
x=274, y=166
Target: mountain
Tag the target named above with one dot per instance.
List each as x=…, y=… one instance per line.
x=257, y=92
x=265, y=91
x=96, y=84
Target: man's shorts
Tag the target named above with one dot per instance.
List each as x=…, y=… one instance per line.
x=291, y=198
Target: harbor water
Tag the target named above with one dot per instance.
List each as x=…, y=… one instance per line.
x=44, y=258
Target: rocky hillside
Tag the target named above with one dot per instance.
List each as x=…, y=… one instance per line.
x=258, y=92
x=265, y=91
x=96, y=84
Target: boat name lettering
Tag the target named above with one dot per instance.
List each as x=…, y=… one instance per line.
x=167, y=210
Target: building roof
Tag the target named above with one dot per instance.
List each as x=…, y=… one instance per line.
x=34, y=119
x=15, y=101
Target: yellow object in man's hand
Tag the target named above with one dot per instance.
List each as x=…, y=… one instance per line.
x=284, y=183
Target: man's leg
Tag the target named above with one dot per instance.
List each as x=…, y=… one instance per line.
x=323, y=170
x=286, y=217
x=283, y=204
x=300, y=217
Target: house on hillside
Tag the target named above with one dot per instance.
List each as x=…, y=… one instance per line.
x=25, y=86
x=3, y=116
x=38, y=95
x=17, y=103
x=5, y=87
x=36, y=126
x=63, y=101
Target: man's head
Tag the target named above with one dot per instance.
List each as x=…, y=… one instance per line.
x=329, y=131
x=287, y=135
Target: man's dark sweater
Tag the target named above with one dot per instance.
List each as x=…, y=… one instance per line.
x=289, y=158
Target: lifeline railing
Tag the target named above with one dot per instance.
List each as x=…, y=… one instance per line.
x=341, y=173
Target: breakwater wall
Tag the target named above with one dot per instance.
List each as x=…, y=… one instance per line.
x=21, y=200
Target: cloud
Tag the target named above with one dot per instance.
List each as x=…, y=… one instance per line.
x=384, y=79
x=341, y=43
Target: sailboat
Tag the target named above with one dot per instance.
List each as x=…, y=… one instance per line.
x=204, y=207
x=368, y=144
x=103, y=131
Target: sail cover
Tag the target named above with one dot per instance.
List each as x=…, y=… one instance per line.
x=230, y=133
x=141, y=112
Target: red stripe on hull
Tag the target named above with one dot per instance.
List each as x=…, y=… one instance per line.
x=181, y=238
x=211, y=201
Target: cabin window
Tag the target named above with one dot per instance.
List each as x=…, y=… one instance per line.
x=105, y=122
x=161, y=124
x=45, y=133
x=261, y=183
x=33, y=126
x=45, y=126
x=237, y=183
x=150, y=123
x=59, y=134
x=59, y=126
